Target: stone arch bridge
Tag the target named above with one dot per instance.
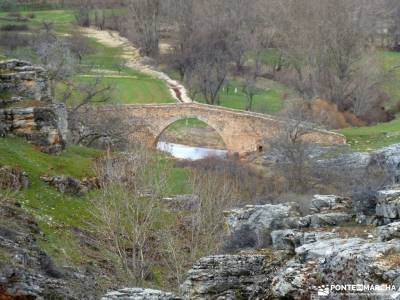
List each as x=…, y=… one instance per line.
x=241, y=131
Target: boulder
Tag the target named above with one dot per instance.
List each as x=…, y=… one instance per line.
x=22, y=79
x=253, y=225
x=362, y=262
x=389, y=232
x=321, y=260
x=13, y=178
x=364, y=206
x=294, y=281
x=354, y=161
x=327, y=219
x=314, y=236
x=390, y=158
x=139, y=294
x=388, y=204
x=322, y=203
x=71, y=185
x=357, y=165
x=287, y=239
x=262, y=219
x=324, y=248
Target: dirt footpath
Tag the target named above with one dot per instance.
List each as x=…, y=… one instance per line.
x=135, y=61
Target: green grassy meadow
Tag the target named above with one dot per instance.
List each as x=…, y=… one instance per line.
x=137, y=89
x=62, y=20
x=266, y=100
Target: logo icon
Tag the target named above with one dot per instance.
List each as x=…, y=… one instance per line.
x=323, y=290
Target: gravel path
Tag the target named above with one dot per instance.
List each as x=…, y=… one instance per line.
x=135, y=61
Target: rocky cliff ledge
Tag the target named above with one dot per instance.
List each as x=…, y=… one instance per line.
x=27, y=109
x=281, y=253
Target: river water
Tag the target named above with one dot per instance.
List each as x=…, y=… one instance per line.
x=190, y=152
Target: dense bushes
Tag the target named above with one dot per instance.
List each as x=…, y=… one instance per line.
x=15, y=14
x=14, y=27
x=23, y=5
x=249, y=181
x=10, y=41
x=143, y=236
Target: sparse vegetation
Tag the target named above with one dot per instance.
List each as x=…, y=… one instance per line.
x=14, y=27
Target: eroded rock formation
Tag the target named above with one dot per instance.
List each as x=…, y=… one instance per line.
x=26, y=271
x=27, y=109
x=139, y=294
x=306, y=255
x=71, y=185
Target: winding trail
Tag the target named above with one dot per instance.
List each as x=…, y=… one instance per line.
x=135, y=61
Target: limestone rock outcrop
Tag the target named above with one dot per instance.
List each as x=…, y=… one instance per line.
x=389, y=232
x=139, y=294
x=267, y=223
x=22, y=80
x=355, y=163
x=321, y=203
x=306, y=253
x=326, y=219
x=243, y=276
x=71, y=185
x=388, y=204
x=339, y=261
x=26, y=108
x=260, y=220
x=282, y=275
x=27, y=272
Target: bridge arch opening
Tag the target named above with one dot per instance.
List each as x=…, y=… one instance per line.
x=191, y=138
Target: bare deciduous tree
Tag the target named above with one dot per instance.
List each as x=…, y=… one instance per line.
x=92, y=91
x=54, y=54
x=79, y=45
x=92, y=128
x=134, y=226
x=82, y=12
x=128, y=210
x=325, y=43
x=144, y=25
x=291, y=146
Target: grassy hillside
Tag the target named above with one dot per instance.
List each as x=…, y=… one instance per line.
x=373, y=137
x=58, y=214
x=55, y=212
